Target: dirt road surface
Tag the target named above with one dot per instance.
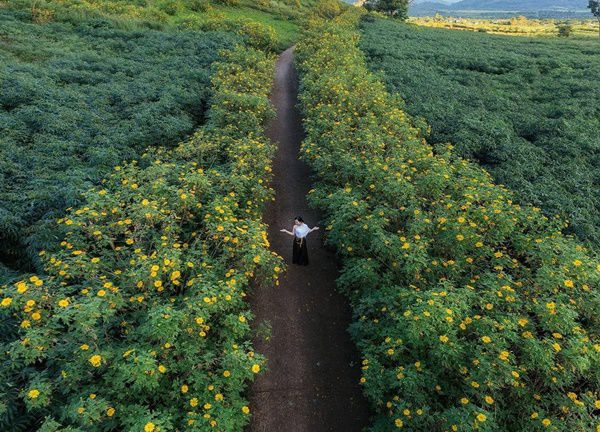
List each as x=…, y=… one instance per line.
x=311, y=382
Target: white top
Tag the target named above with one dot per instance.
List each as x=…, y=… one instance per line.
x=301, y=231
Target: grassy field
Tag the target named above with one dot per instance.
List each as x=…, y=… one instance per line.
x=524, y=108
x=518, y=26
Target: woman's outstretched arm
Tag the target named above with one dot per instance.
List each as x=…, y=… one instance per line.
x=313, y=229
x=287, y=232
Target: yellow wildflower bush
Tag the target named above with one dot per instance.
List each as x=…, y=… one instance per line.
x=472, y=313
x=136, y=323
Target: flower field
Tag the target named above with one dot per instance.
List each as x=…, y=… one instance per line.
x=139, y=322
x=521, y=107
x=472, y=313
x=78, y=98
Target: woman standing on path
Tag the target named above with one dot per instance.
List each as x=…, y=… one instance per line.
x=300, y=231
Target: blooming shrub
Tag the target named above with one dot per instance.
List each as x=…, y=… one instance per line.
x=76, y=99
x=471, y=312
x=140, y=323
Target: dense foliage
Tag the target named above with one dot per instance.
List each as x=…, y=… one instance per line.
x=472, y=312
x=395, y=8
x=523, y=108
x=140, y=322
x=78, y=99
x=282, y=17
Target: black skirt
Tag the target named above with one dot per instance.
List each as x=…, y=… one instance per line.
x=300, y=252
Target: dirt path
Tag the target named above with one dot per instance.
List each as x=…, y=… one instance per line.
x=313, y=367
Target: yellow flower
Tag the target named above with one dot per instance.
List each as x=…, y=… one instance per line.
x=110, y=412
x=399, y=423
x=504, y=355
x=443, y=338
x=220, y=228
x=194, y=402
x=546, y=422
x=184, y=388
x=556, y=346
x=489, y=399
x=63, y=303
x=481, y=417
x=255, y=368
x=226, y=374
x=218, y=397
x=36, y=316
x=597, y=404
x=464, y=401
x=460, y=237
x=101, y=293
x=6, y=301
x=245, y=410
x=149, y=427
x=162, y=368
x=486, y=339
x=534, y=415
x=577, y=263
x=95, y=360
x=33, y=393
x=256, y=259
x=84, y=347
x=569, y=283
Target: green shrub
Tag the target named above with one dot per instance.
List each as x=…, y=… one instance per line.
x=472, y=313
x=140, y=322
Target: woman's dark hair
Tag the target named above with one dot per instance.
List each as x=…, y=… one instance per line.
x=299, y=219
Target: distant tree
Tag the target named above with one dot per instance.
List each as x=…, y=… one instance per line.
x=594, y=6
x=565, y=29
x=395, y=8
